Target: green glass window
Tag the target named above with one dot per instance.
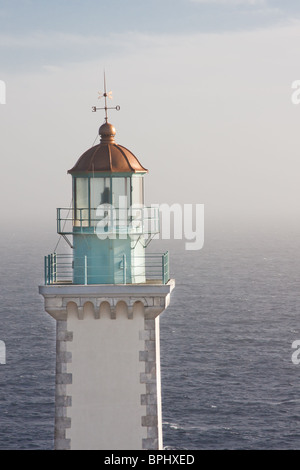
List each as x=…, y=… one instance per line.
x=121, y=198
x=137, y=190
x=100, y=194
x=81, y=201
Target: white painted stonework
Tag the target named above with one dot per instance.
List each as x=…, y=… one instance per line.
x=108, y=393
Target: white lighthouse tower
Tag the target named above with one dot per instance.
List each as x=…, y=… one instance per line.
x=106, y=297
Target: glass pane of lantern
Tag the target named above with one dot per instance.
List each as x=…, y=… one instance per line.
x=118, y=190
x=137, y=190
x=82, y=201
x=137, y=197
x=121, y=199
x=100, y=194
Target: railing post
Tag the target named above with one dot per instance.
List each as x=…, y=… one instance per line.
x=124, y=269
x=54, y=267
x=49, y=269
x=165, y=267
x=45, y=270
x=58, y=220
x=85, y=270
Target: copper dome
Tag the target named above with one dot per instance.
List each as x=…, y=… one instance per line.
x=108, y=156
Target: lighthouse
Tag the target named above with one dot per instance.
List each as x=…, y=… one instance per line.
x=106, y=294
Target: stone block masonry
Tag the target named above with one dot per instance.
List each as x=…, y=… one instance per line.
x=108, y=393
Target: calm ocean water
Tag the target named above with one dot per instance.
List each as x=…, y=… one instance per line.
x=228, y=381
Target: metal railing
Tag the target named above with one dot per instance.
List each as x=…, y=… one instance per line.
x=65, y=269
x=107, y=219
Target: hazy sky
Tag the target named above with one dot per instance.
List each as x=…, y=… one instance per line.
x=205, y=93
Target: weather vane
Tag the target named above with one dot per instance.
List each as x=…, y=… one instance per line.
x=105, y=95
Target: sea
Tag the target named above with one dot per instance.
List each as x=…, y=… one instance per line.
x=228, y=378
